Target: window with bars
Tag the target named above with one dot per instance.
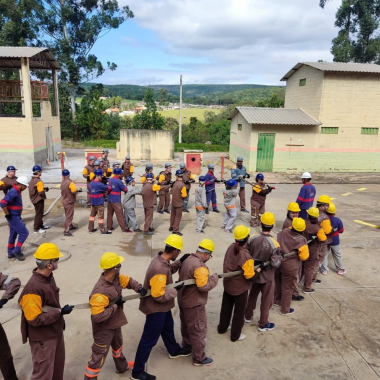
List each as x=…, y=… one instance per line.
x=303, y=82
x=370, y=131
x=240, y=127
x=329, y=130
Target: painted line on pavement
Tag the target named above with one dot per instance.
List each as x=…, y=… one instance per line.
x=362, y=189
x=346, y=194
x=367, y=224
x=332, y=198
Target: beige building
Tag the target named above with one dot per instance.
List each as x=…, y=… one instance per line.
x=29, y=126
x=330, y=122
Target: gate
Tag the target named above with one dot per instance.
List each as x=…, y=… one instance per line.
x=265, y=152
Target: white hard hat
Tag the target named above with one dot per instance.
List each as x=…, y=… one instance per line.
x=306, y=175
x=23, y=180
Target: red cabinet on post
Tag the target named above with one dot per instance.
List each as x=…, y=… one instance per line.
x=193, y=160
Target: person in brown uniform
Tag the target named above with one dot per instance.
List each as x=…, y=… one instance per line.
x=236, y=288
x=37, y=195
x=68, y=192
x=164, y=178
x=324, y=221
x=188, y=179
x=7, y=182
x=178, y=195
x=89, y=168
x=316, y=236
x=44, y=329
x=259, y=194
x=149, y=197
x=107, y=315
x=263, y=247
x=286, y=276
x=127, y=167
x=148, y=170
x=11, y=285
x=106, y=162
x=192, y=301
x=157, y=307
x=293, y=212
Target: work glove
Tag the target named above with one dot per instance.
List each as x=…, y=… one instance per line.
x=186, y=182
x=184, y=257
x=3, y=302
x=46, y=189
x=120, y=302
x=80, y=190
x=247, y=175
x=172, y=183
x=260, y=263
x=269, y=188
x=142, y=291
x=180, y=286
x=67, y=309
x=8, y=216
x=335, y=229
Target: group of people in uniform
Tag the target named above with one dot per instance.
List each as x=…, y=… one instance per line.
x=253, y=264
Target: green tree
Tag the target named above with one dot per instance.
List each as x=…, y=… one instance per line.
x=163, y=96
x=170, y=124
x=149, y=118
x=358, y=38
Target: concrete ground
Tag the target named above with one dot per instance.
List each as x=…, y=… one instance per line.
x=333, y=333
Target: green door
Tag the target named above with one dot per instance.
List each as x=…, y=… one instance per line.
x=265, y=152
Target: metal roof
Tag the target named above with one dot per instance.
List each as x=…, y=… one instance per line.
x=40, y=58
x=277, y=116
x=336, y=66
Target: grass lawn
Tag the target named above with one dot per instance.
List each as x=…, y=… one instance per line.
x=188, y=113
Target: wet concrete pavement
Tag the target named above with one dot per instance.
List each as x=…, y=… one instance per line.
x=333, y=333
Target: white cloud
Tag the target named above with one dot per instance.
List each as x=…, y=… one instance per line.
x=242, y=41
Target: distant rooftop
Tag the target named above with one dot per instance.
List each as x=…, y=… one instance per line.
x=40, y=58
x=336, y=66
x=277, y=116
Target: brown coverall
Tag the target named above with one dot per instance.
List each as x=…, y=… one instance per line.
x=68, y=192
x=7, y=183
x=325, y=223
x=235, y=289
x=178, y=195
x=311, y=265
x=263, y=247
x=37, y=197
x=44, y=330
x=11, y=285
x=163, y=194
x=86, y=174
x=259, y=194
x=286, y=277
x=127, y=169
x=192, y=301
x=107, y=320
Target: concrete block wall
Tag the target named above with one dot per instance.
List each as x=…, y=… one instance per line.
x=146, y=144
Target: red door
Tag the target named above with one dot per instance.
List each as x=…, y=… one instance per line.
x=193, y=162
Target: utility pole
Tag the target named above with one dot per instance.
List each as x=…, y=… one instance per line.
x=180, y=110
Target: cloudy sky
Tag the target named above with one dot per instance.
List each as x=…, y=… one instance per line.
x=216, y=41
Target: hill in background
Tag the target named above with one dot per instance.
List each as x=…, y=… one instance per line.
x=223, y=94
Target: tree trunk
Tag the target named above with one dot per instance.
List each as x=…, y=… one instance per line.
x=72, y=97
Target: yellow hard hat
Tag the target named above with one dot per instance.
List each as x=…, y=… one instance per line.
x=299, y=224
x=47, y=251
x=268, y=219
x=324, y=199
x=241, y=232
x=207, y=244
x=313, y=211
x=294, y=207
x=331, y=209
x=110, y=260
x=175, y=241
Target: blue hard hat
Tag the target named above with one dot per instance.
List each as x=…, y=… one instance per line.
x=202, y=178
x=36, y=168
x=9, y=168
x=179, y=173
x=65, y=172
x=129, y=180
x=259, y=176
x=149, y=176
x=98, y=172
x=117, y=171
x=231, y=183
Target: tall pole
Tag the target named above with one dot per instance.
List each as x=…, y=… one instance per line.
x=180, y=110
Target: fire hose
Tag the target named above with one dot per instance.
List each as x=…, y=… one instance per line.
x=137, y=296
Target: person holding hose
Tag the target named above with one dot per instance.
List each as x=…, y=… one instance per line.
x=236, y=288
x=239, y=173
x=259, y=193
